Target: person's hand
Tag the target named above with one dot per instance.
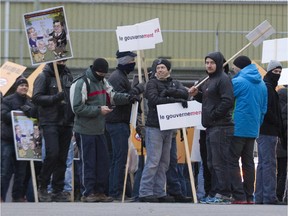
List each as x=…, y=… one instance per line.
x=134, y=98
x=59, y=96
x=139, y=88
x=105, y=110
x=183, y=102
x=193, y=91
x=26, y=108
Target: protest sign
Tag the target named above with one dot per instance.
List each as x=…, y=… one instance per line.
x=48, y=35
x=27, y=137
x=9, y=72
x=275, y=50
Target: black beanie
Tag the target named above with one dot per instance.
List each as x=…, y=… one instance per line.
x=21, y=80
x=165, y=62
x=100, y=65
x=242, y=61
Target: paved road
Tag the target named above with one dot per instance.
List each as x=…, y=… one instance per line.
x=138, y=209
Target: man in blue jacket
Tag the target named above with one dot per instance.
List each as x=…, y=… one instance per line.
x=250, y=95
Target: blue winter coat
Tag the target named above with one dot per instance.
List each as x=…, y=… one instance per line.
x=251, y=97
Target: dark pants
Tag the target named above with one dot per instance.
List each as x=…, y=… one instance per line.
x=10, y=165
x=218, y=140
x=94, y=159
x=242, y=147
x=281, y=177
x=57, y=141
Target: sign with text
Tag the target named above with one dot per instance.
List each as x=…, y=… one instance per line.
x=140, y=36
x=48, y=35
x=173, y=116
x=284, y=77
x=275, y=50
x=9, y=72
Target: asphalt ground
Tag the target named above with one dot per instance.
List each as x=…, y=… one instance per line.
x=138, y=209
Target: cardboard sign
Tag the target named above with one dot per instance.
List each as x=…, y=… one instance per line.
x=48, y=35
x=27, y=137
x=9, y=72
x=173, y=115
x=140, y=36
x=275, y=50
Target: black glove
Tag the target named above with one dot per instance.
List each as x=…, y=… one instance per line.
x=139, y=88
x=59, y=96
x=183, y=102
x=134, y=98
x=26, y=108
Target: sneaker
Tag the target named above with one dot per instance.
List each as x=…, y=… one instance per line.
x=89, y=198
x=204, y=200
x=62, y=196
x=150, y=198
x=103, y=198
x=182, y=199
x=219, y=199
x=166, y=199
x=44, y=196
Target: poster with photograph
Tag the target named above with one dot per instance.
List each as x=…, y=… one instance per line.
x=27, y=137
x=48, y=35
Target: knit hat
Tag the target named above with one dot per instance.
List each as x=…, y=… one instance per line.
x=100, y=65
x=165, y=62
x=242, y=61
x=124, y=58
x=127, y=53
x=273, y=64
x=20, y=80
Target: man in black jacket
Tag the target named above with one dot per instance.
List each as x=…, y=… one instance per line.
x=9, y=164
x=216, y=96
x=56, y=121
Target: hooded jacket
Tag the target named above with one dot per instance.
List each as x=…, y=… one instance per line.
x=45, y=88
x=216, y=96
x=250, y=102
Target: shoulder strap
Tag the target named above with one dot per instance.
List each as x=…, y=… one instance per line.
x=84, y=77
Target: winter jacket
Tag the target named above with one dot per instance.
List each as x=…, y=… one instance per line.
x=250, y=102
x=216, y=96
x=53, y=112
x=153, y=92
x=87, y=107
x=9, y=103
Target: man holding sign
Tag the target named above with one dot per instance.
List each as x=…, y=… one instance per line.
x=216, y=96
x=161, y=89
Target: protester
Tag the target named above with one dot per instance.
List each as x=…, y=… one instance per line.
x=216, y=96
x=90, y=102
x=251, y=98
x=9, y=165
x=56, y=121
x=270, y=132
x=161, y=89
x=118, y=121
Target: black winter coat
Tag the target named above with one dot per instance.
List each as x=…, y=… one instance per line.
x=53, y=112
x=9, y=103
x=216, y=96
x=153, y=92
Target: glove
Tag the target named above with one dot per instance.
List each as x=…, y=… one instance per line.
x=183, y=102
x=134, y=98
x=26, y=108
x=139, y=88
x=59, y=96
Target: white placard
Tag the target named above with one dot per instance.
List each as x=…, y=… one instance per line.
x=260, y=33
x=195, y=153
x=284, y=77
x=276, y=49
x=174, y=116
x=133, y=115
x=140, y=36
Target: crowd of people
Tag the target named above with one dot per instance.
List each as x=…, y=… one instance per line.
x=239, y=112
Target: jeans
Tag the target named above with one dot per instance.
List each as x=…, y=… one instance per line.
x=158, y=144
x=119, y=135
x=242, y=147
x=218, y=140
x=266, y=170
x=10, y=165
x=57, y=141
x=94, y=160
x=68, y=172
x=173, y=183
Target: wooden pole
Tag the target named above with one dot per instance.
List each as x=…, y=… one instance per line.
x=33, y=176
x=57, y=76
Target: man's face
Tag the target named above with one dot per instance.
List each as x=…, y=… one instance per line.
x=33, y=33
x=51, y=45
x=210, y=65
x=22, y=89
x=162, y=71
x=57, y=27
